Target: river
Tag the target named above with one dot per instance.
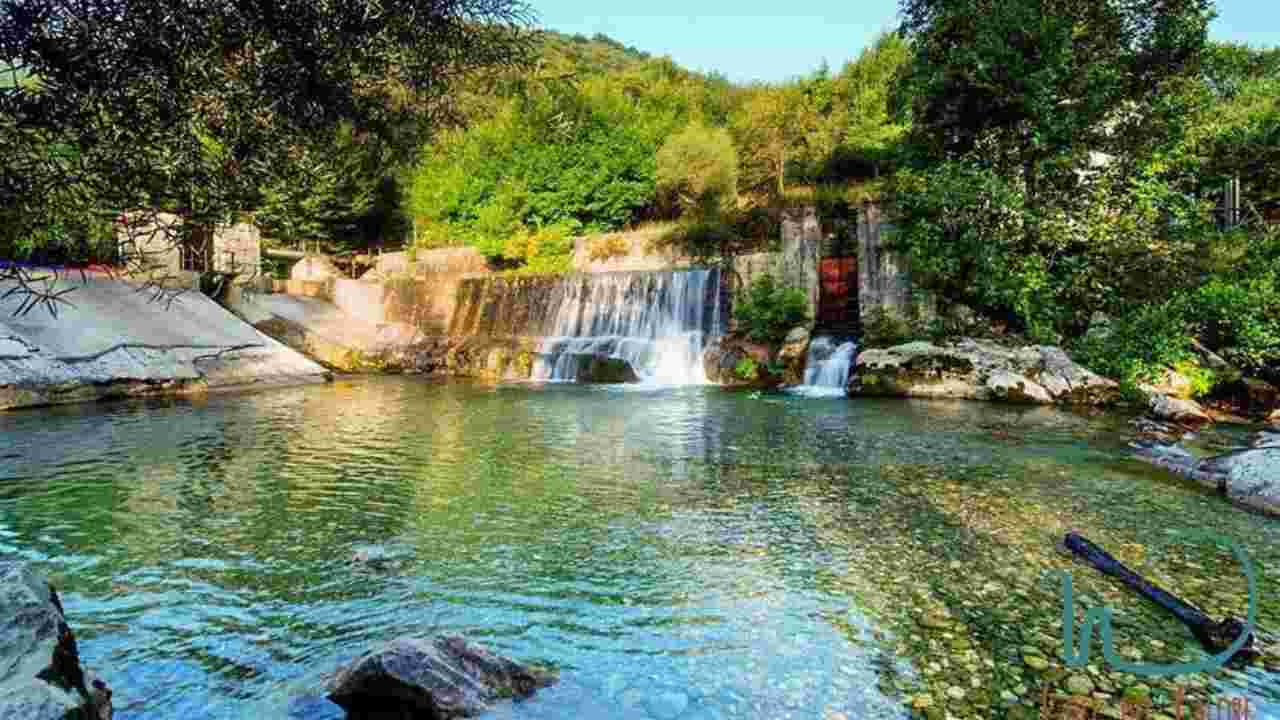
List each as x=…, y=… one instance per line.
x=677, y=552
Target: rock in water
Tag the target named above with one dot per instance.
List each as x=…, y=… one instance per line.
x=979, y=370
x=1249, y=477
x=444, y=677
x=40, y=673
x=1172, y=409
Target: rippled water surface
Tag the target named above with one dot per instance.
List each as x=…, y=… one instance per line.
x=688, y=553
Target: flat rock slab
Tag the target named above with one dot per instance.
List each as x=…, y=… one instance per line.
x=114, y=342
x=978, y=370
x=444, y=677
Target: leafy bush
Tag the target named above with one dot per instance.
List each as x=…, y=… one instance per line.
x=747, y=369
x=767, y=311
x=545, y=251
x=885, y=329
x=607, y=247
x=1237, y=316
x=1140, y=346
x=1240, y=317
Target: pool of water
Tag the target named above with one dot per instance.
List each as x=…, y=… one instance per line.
x=677, y=553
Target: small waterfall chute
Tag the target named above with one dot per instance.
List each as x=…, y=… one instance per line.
x=827, y=367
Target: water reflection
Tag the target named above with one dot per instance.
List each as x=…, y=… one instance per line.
x=678, y=552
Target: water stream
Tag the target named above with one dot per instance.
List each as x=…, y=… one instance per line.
x=659, y=323
x=827, y=368
x=686, y=553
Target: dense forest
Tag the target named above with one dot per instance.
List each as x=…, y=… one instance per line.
x=1060, y=169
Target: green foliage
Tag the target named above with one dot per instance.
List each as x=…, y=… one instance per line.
x=1028, y=81
x=767, y=310
x=544, y=251
x=747, y=369
x=1237, y=315
x=582, y=158
x=1240, y=316
x=322, y=195
x=885, y=329
x=1140, y=346
x=1202, y=379
x=212, y=111
x=698, y=169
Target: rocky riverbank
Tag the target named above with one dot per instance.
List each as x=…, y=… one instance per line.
x=977, y=370
x=114, y=342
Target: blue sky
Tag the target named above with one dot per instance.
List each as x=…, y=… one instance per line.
x=758, y=40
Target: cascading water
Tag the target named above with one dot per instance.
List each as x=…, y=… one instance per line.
x=826, y=371
x=659, y=323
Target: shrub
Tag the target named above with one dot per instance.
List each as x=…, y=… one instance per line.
x=1240, y=317
x=1139, y=346
x=747, y=369
x=607, y=247
x=767, y=311
x=885, y=329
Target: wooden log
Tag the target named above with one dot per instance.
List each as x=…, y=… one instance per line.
x=1215, y=636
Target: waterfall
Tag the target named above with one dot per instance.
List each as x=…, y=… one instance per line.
x=826, y=372
x=659, y=323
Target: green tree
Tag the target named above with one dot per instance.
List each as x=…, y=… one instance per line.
x=1043, y=133
x=196, y=107
x=769, y=128
x=698, y=168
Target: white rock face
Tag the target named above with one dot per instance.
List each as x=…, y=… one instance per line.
x=113, y=342
x=977, y=370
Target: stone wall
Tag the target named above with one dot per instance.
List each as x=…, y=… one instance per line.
x=233, y=248
x=801, y=245
x=884, y=276
x=641, y=253
x=237, y=249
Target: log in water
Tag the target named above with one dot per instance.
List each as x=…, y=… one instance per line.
x=1215, y=636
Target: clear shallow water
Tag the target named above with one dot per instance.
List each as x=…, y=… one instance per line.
x=687, y=553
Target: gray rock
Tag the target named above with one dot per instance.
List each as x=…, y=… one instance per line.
x=1249, y=477
x=977, y=370
x=1178, y=410
x=445, y=677
x=1209, y=358
x=794, y=354
x=40, y=673
x=114, y=342
x=798, y=335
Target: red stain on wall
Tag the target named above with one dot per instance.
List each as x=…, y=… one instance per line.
x=838, y=304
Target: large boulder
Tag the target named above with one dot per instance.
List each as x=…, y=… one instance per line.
x=1174, y=409
x=736, y=362
x=445, y=677
x=979, y=370
x=793, y=355
x=1249, y=477
x=41, y=677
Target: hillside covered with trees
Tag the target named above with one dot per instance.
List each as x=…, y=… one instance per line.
x=1049, y=166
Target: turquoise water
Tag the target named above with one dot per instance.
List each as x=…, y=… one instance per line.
x=686, y=552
